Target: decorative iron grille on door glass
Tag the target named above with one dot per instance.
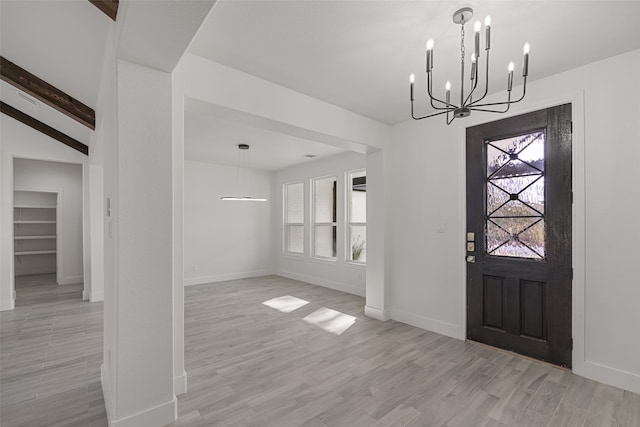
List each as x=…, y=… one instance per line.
x=515, y=189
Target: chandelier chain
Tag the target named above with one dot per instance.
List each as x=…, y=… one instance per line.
x=462, y=52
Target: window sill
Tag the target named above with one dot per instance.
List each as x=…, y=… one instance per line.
x=293, y=255
x=356, y=265
x=327, y=261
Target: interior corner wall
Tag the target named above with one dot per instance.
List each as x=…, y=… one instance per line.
x=338, y=274
x=426, y=175
x=226, y=240
x=20, y=141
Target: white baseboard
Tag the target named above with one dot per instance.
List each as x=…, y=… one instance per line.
x=96, y=296
x=376, y=313
x=159, y=415
x=422, y=322
x=7, y=305
x=320, y=281
x=608, y=375
x=180, y=384
x=71, y=280
x=106, y=390
x=228, y=276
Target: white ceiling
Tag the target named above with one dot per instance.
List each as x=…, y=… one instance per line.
x=359, y=54
x=63, y=43
x=354, y=54
x=211, y=139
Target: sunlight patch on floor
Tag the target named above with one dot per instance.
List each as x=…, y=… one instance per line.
x=286, y=304
x=330, y=320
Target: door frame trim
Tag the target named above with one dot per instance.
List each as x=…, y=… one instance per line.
x=578, y=223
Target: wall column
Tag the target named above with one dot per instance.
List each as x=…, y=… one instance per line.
x=377, y=303
x=138, y=366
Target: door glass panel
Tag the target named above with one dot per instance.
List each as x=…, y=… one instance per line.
x=515, y=197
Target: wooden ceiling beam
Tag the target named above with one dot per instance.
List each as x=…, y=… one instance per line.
x=109, y=7
x=50, y=95
x=44, y=128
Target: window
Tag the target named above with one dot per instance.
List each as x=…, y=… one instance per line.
x=357, y=216
x=294, y=218
x=324, y=217
x=515, y=219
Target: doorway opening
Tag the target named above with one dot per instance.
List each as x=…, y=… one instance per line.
x=47, y=231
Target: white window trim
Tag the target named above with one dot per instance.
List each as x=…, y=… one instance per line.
x=286, y=223
x=348, y=223
x=312, y=240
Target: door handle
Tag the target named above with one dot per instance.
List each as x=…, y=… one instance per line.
x=471, y=259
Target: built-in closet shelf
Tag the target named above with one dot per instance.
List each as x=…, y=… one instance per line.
x=36, y=252
x=33, y=237
x=36, y=238
x=34, y=222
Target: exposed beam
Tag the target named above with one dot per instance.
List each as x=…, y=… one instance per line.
x=50, y=95
x=109, y=7
x=46, y=129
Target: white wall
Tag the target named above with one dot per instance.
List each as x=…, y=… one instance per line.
x=226, y=240
x=66, y=179
x=425, y=170
x=20, y=141
x=338, y=274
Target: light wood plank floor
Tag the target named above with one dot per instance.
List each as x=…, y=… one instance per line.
x=50, y=356
x=250, y=364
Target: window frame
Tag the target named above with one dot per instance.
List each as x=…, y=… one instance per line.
x=348, y=222
x=315, y=224
x=287, y=224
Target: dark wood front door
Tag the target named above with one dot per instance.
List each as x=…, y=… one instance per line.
x=519, y=234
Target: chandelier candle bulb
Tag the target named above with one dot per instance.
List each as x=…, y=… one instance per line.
x=429, y=55
x=411, y=80
x=510, y=79
x=473, y=66
x=448, y=88
x=525, y=66
x=487, y=24
x=477, y=27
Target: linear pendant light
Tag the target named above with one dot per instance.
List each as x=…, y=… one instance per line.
x=241, y=147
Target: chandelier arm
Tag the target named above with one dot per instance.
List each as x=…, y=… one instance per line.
x=475, y=84
x=508, y=102
x=429, y=115
x=452, y=118
x=486, y=83
x=491, y=111
x=432, y=98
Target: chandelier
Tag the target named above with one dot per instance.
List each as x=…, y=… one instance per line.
x=468, y=103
